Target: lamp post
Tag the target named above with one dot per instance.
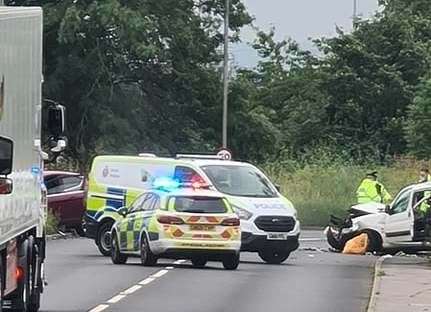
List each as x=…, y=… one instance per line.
x=226, y=72
x=355, y=11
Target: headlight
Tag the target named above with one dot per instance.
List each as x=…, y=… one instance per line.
x=242, y=213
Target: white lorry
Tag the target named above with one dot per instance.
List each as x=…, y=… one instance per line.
x=22, y=193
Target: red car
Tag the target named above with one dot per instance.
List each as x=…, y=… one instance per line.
x=66, y=197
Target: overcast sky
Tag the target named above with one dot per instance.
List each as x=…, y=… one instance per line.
x=299, y=19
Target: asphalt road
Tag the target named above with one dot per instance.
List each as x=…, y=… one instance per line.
x=311, y=280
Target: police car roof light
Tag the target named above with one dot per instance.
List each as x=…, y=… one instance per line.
x=166, y=183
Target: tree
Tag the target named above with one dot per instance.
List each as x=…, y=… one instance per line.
x=136, y=75
x=280, y=105
x=417, y=126
x=371, y=77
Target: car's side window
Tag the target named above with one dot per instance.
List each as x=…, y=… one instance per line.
x=156, y=202
x=60, y=184
x=420, y=197
x=401, y=204
x=71, y=182
x=53, y=184
x=137, y=205
x=149, y=202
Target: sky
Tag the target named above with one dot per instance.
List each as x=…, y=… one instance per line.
x=298, y=19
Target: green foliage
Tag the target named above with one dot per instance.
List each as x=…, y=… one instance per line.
x=319, y=190
x=418, y=130
x=145, y=76
x=51, y=225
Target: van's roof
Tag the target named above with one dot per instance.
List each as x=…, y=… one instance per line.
x=195, y=161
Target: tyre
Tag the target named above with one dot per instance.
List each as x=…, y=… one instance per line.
x=231, y=262
x=103, y=239
x=35, y=280
x=116, y=256
x=20, y=298
x=333, y=242
x=147, y=257
x=199, y=262
x=374, y=241
x=273, y=256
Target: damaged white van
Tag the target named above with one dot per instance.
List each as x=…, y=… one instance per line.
x=398, y=226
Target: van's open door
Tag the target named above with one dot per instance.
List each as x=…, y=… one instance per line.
x=421, y=208
x=400, y=221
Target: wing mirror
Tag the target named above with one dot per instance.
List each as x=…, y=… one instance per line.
x=56, y=120
x=123, y=212
x=387, y=209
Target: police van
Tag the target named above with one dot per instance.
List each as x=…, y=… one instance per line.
x=269, y=223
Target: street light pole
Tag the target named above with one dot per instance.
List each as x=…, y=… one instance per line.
x=226, y=72
x=355, y=11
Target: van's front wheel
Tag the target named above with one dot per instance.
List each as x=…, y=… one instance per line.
x=273, y=256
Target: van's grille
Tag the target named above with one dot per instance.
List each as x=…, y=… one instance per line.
x=275, y=223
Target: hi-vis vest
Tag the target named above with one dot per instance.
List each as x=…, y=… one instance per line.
x=372, y=191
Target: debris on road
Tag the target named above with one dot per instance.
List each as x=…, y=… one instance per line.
x=357, y=245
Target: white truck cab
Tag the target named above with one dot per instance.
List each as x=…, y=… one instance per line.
x=399, y=225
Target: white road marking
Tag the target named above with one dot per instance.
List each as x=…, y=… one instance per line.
x=146, y=281
x=311, y=239
x=100, y=308
x=131, y=290
x=134, y=288
x=160, y=273
x=115, y=299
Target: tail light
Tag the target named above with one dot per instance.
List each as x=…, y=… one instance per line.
x=19, y=273
x=231, y=222
x=170, y=220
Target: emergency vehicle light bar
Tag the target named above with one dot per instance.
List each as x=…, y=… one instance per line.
x=148, y=155
x=195, y=156
x=222, y=155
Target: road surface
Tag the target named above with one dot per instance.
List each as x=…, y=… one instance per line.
x=311, y=280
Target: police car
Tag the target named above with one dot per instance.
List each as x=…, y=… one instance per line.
x=178, y=223
x=269, y=221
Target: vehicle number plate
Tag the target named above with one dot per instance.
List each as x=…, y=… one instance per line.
x=202, y=227
x=277, y=236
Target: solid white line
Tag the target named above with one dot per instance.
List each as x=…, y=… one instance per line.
x=131, y=290
x=311, y=239
x=99, y=308
x=146, y=281
x=160, y=273
x=115, y=299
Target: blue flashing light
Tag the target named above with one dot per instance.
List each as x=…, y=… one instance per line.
x=166, y=183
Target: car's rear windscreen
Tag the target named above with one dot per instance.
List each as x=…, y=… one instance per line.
x=195, y=204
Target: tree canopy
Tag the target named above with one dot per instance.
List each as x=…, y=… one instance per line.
x=146, y=75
